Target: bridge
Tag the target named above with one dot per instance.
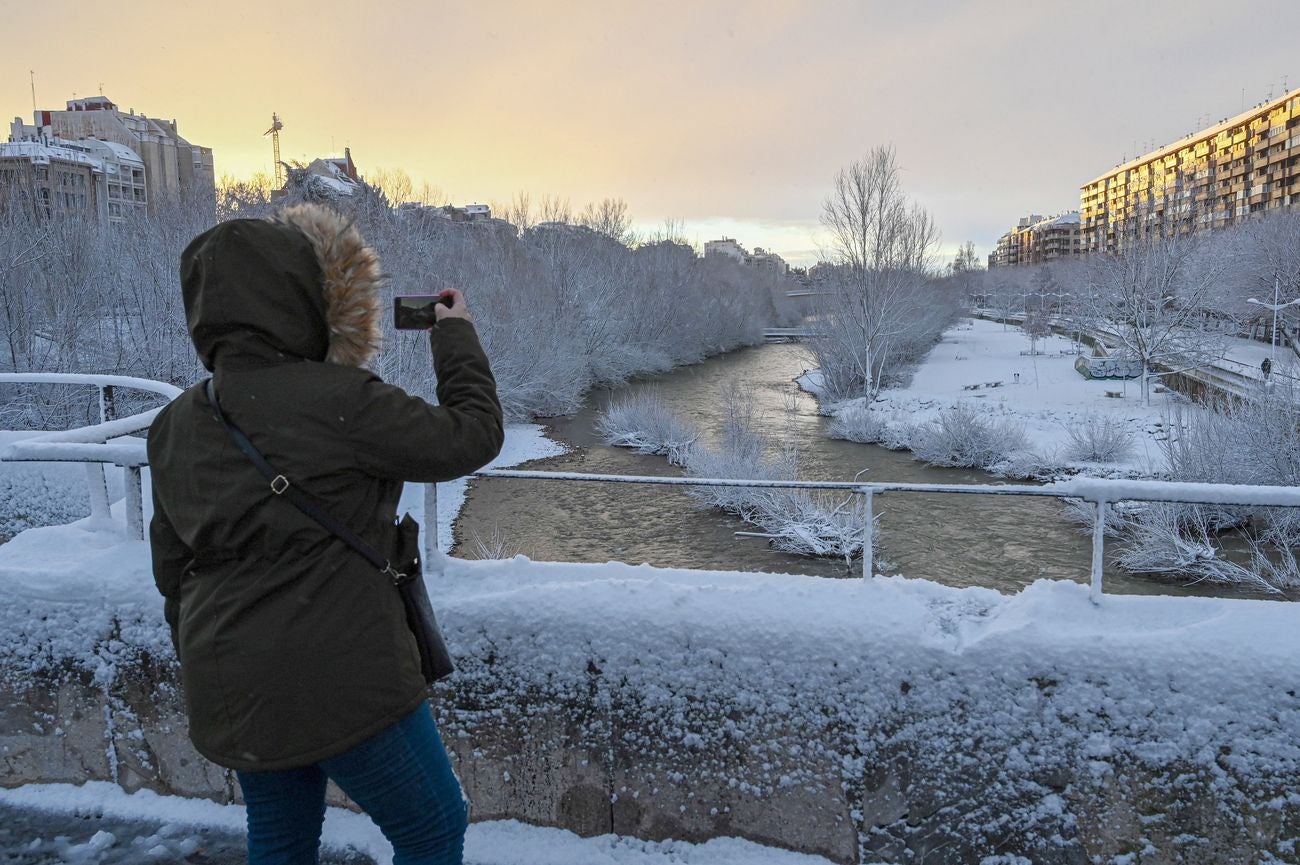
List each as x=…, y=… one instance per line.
x=610, y=698
x=787, y=334
x=111, y=443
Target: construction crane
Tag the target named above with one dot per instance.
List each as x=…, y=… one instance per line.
x=274, y=132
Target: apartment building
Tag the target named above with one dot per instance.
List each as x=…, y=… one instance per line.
x=727, y=246
x=173, y=168
x=102, y=178
x=766, y=259
x=1038, y=240
x=1241, y=166
x=48, y=179
x=1007, y=253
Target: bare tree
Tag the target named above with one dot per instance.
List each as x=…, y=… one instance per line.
x=877, y=307
x=394, y=183
x=555, y=209
x=965, y=261
x=965, y=272
x=1036, y=326
x=609, y=218
x=1153, y=300
x=1264, y=263
x=519, y=212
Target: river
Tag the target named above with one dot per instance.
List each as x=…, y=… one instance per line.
x=1000, y=542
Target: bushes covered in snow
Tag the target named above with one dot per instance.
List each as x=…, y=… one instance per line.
x=1100, y=438
x=34, y=495
x=641, y=421
x=962, y=437
x=559, y=306
x=801, y=522
x=856, y=422
x=1246, y=442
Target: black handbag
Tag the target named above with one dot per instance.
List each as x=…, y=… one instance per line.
x=406, y=575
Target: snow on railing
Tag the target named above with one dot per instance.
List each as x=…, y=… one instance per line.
x=98, y=444
x=1100, y=492
x=92, y=446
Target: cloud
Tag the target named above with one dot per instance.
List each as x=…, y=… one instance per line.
x=709, y=111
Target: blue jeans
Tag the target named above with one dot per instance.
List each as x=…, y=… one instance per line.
x=401, y=777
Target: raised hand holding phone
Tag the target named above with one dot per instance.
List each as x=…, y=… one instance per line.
x=452, y=305
x=423, y=311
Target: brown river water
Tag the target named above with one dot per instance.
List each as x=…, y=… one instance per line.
x=1001, y=542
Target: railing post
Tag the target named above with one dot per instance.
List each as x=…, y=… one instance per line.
x=134, y=502
x=97, y=487
x=430, y=521
x=1098, y=548
x=868, y=535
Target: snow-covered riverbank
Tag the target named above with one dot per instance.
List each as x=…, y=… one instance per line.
x=986, y=366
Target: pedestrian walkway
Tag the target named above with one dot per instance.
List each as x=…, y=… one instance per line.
x=29, y=837
x=100, y=824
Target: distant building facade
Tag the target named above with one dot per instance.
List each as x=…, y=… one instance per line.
x=173, y=168
x=1223, y=174
x=726, y=246
x=1038, y=240
x=450, y=212
x=768, y=260
x=764, y=259
x=46, y=179
x=51, y=175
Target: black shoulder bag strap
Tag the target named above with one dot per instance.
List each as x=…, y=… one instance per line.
x=281, y=486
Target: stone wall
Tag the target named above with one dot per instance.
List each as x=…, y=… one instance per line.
x=582, y=761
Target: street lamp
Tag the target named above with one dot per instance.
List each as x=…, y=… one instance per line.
x=1275, y=306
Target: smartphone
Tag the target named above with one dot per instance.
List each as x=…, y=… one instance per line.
x=415, y=311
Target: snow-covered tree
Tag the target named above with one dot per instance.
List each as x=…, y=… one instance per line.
x=1154, y=299
x=878, y=306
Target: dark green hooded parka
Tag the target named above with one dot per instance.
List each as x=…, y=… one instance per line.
x=292, y=647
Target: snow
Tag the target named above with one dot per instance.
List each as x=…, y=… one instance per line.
x=40, y=493
x=1047, y=682
x=500, y=842
x=1244, y=356
x=986, y=365
x=93, y=563
x=1197, y=693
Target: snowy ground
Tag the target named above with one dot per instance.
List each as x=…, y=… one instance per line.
x=145, y=827
x=1244, y=356
x=987, y=365
x=39, y=494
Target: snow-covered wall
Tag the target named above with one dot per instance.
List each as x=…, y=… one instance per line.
x=886, y=722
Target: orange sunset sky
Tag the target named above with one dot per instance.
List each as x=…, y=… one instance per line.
x=732, y=117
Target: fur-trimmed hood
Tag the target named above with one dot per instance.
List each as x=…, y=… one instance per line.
x=300, y=285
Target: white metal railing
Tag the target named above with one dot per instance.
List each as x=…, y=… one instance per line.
x=94, y=445
x=1100, y=492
